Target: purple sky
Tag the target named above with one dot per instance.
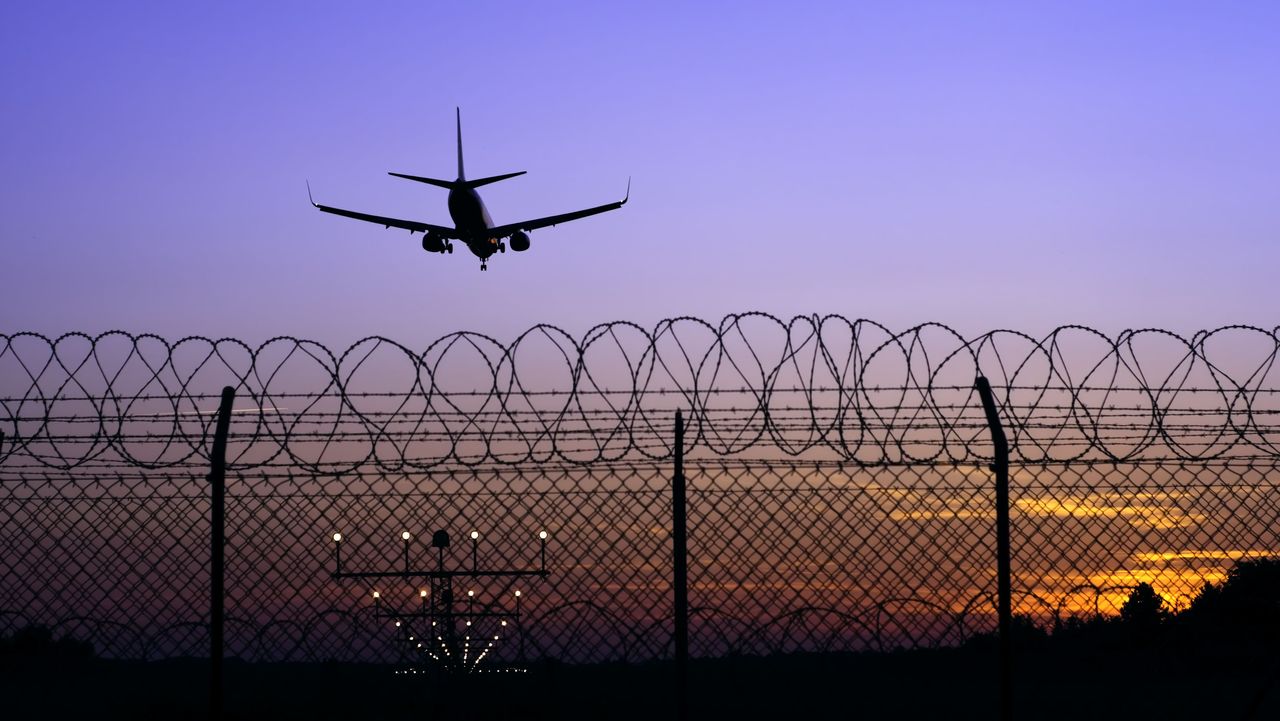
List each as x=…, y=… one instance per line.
x=983, y=165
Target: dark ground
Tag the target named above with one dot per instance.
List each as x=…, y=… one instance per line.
x=945, y=684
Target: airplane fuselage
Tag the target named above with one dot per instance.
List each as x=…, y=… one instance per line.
x=472, y=220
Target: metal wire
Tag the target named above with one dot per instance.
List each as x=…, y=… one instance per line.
x=838, y=493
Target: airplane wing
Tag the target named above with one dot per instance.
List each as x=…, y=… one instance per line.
x=413, y=226
x=502, y=231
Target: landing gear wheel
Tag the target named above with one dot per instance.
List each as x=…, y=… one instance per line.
x=484, y=265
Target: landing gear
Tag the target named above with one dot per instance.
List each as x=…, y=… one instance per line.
x=484, y=265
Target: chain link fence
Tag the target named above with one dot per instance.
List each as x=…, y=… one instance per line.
x=839, y=495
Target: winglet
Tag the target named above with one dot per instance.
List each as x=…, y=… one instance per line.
x=626, y=197
x=313, y=202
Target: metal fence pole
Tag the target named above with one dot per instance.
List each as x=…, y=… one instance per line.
x=1004, y=587
x=218, y=536
x=680, y=564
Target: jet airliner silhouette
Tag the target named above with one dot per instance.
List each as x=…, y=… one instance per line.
x=473, y=226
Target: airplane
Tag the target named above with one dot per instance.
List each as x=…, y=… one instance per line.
x=473, y=226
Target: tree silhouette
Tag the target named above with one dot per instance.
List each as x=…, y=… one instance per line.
x=1143, y=612
x=1253, y=587
x=1144, y=606
x=1244, y=607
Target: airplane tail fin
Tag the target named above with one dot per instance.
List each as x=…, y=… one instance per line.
x=462, y=175
x=462, y=181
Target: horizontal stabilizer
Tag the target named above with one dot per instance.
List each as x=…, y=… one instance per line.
x=490, y=179
x=448, y=184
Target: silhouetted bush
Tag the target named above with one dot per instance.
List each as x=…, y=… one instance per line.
x=1206, y=603
x=1078, y=626
x=1026, y=633
x=36, y=643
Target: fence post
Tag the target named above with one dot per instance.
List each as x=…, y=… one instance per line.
x=217, y=535
x=1004, y=589
x=680, y=564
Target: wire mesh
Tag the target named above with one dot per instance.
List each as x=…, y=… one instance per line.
x=838, y=492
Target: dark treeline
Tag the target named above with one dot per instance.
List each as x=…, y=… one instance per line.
x=1214, y=659
x=1241, y=614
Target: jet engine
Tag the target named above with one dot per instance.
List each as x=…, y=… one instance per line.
x=519, y=241
x=433, y=243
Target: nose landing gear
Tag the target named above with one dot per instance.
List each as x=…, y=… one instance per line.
x=484, y=265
